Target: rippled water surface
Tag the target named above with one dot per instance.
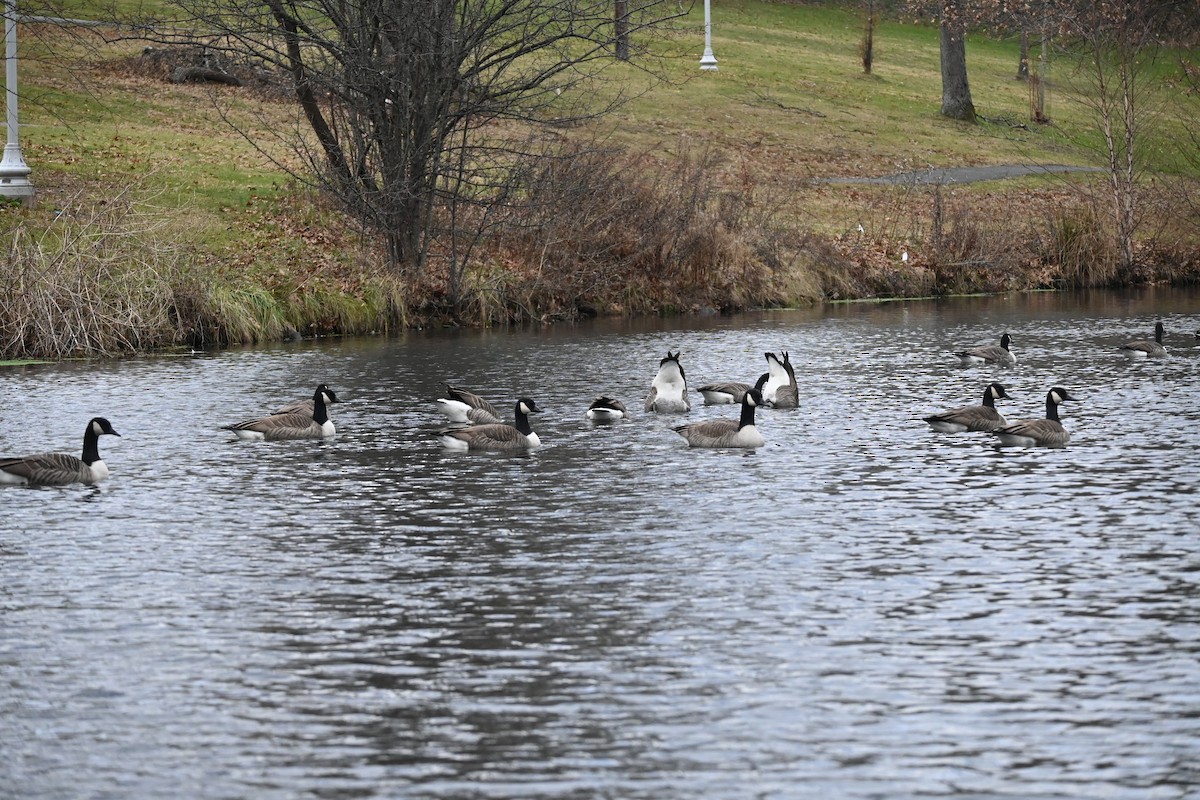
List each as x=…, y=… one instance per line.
x=860, y=609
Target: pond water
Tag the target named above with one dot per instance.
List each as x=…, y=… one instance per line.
x=860, y=609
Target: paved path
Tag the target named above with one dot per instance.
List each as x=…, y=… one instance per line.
x=966, y=174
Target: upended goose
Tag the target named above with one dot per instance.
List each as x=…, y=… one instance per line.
x=60, y=469
x=668, y=391
x=730, y=392
x=496, y=435
x=983, y=417
x=293, y=424
x=989, y=354
x=467, y=408
x=1142, y=348
x=606, y=409
x=726, y=432
x=1047, y=432
x=781, y=390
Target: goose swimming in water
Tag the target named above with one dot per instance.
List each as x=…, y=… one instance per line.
x=292, y=425
x=989, y=354
x=60, y=469
x=727, y=432
x=496, y=435
x=983, y=417
x=781, y=390
x=730, y=392
x=606, y=409
x=1047, y=432
x=1142, y=348
x=465, y=407
x=668, y=391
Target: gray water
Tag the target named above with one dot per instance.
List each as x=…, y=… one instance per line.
x=860, y=609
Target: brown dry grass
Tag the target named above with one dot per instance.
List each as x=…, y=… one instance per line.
x=713, y=188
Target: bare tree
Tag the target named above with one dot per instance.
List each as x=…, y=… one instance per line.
x=415, y=107
x=1113, y=48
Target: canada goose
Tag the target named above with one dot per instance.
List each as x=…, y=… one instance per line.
x=496, y=435
x=293, y=425
x=1047, y=432
x=1142, y=348
x=465, y=407
x=726, y=432
x=60, y=469
x=605, y=408
x=989, y=354
x=781, y=390
x=668, y=391
x=973, y=418
x=730, y=392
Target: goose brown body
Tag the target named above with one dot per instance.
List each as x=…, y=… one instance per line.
x=1048, y=432
x=60, y=469
x=1144, y=348
x=727, y=432
x=989, y=354
x=496, y=435
x=982, y=417
x=292, y=425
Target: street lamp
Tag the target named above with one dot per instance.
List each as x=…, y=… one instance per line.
x=708, y=60
x=14, y=172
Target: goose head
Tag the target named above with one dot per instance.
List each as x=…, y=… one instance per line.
x=527, y=406
x=996, y=391
x=100, y=425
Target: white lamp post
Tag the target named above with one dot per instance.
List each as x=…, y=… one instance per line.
x=14, y=172
x=708, y=60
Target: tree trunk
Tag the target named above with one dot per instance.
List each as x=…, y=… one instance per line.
x=956, y=92
x=1037, y=86
x=621, y=29
x=868, y=42
x=1023, y=59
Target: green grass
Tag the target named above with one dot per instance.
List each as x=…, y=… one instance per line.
x=790, y=102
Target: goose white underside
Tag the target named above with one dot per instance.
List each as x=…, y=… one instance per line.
x=942, y=426
x=454, y=443
x=454, y=410
x=1018, y=440
x=772, y=386
x=715, y=398
x=974, y=361
x=605, y=414
x=1137, y=354
x=668, y=391
x=1015, y=440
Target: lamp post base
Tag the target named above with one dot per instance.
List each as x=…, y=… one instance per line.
x=708, y=61
x=14, y=175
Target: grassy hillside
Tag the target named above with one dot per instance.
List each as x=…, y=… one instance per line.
x=252, y=255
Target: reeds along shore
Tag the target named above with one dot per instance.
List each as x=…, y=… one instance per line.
x=107, y=280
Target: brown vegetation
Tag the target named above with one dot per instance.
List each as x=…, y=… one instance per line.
x=601, y=229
